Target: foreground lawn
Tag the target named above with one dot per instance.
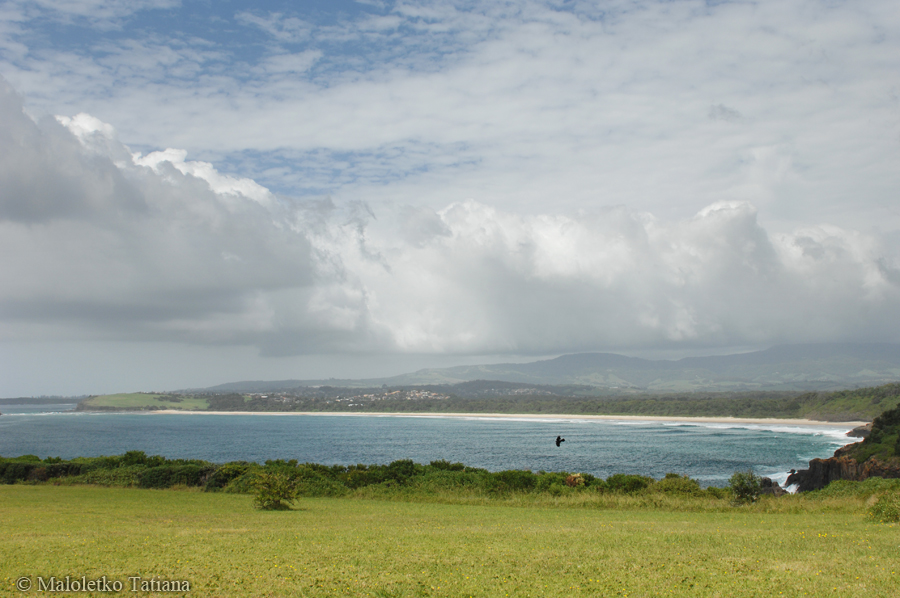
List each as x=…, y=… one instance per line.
x=355, y=547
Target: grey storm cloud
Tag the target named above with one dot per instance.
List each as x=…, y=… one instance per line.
x=99, y=242
x=97, y=245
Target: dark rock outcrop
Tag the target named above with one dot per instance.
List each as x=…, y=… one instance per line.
x=861, y=431
x=767, y=486
x=877, y=455
x=821, y=472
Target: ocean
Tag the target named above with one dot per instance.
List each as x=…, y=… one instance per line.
x=708, y=452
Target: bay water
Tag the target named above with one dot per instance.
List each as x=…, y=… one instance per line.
x=708, y=452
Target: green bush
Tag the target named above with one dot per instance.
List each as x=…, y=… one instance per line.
x=745, y=487
x=274, y=490
x=514, y=480
x=309, y=481
x=359, y=476
x=243, y=484
x=134, y=458
x=449, y=480
x=402, y=470
x=15, y=471
x=628, y=484
x=119, y=476
x=720, y=493
x=677, y=484
x=223, y=475
x=167, y=476
x=886, y=509
x=443, y=464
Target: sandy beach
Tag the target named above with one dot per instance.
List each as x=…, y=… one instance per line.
x=647, y=418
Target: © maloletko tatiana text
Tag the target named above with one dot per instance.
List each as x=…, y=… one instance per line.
x=105, y=584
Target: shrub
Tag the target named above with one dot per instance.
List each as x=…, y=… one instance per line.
x=275, y=491
x=514, y=480
x=310, y=481
x=402, y=470
x=629, y=484
x=544, y=481
x=677, y=484
x=447, y=465
x=449, y=480
x=745, y=487
x=222, y=476
x=119, y=476
x=886, y=509
x=38, y=474
x=167, y=476
x=575, y=480
x=358, y=476
x=14, y=470
x=715, y=492
x=133, y=458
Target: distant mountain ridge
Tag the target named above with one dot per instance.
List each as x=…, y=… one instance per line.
x=784, y=367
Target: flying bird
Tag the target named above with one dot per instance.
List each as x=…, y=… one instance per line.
x=559, y=439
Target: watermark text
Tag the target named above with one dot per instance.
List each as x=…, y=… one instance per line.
x=102, y=584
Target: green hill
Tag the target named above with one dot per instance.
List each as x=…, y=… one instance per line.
x=787, y=368
x=486, y=397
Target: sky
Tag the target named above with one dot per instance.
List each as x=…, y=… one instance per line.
x=197, y=192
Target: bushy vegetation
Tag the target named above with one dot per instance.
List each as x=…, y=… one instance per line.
x=274, y=491
x=134, y=468
x=884, y=439
x=277, y=482
x=745, y=487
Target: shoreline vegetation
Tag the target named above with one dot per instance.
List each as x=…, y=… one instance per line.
x=561, y=416
x=401, y=479
x=501, y=399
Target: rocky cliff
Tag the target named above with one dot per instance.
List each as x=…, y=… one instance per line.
x=878, y=455
x=821, y=472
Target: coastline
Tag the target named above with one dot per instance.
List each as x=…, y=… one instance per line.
x=559, y=416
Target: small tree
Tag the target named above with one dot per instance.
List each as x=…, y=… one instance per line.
x=745, y=487
x=274, y=491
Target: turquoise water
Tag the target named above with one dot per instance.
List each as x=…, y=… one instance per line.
x=705, y=451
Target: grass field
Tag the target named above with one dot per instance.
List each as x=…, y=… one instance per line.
x=368, y=547
x=140, y=400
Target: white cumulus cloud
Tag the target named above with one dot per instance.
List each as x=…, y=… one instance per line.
x=102, y=243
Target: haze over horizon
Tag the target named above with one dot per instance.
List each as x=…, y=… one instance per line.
x=194, y=193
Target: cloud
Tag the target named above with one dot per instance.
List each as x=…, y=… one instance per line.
x=97, y=9
x=495, y=281
x=662, y=106
x=103, y=243
x=433, y=177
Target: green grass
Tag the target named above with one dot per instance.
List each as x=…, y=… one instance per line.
x=140, y=400
x=815, y=545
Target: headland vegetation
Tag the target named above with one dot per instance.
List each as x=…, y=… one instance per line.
x=488, y=397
